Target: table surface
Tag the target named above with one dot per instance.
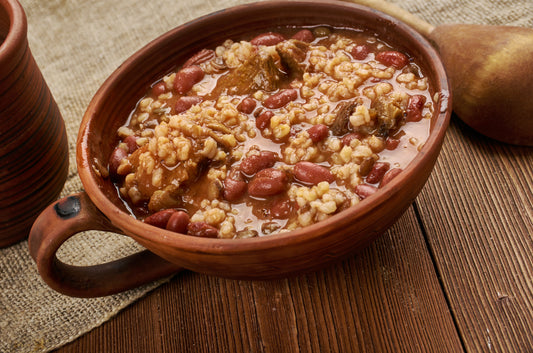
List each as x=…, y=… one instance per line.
x=454, y=274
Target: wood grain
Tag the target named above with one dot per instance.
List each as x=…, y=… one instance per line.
x=477, y=210
x=385, y=299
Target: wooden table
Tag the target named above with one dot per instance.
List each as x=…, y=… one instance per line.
x=454, y=274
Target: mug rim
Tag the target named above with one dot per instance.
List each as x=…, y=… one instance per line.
x=15, y=38
x=147, y=234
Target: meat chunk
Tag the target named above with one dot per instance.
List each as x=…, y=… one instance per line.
x=389, y=114
x=293, y=54
x=341, y=124
x=260, y=72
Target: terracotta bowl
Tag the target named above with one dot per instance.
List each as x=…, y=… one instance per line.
x=275, y=256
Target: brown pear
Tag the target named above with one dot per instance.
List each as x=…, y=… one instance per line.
x=491, y=73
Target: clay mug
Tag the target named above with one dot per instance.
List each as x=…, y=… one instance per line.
x=34, y=149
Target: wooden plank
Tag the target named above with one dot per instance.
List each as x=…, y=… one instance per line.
x=136, y=329
x=478, y=212
x=386, y=299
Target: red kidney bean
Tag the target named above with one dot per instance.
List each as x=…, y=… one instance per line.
x=318, y=132
x=347, y=139
x=234, y=189
x=116, y=157
x=159, y=88
x=415, y=107
x=247, y=105
x=187, y=77
x=304, y=35
x=389, y=176
x=365, y=190
x=256, y=162
x=376, y=173
x=281, y=98
x=263, y=120
x=131, y=142
x=272, y=173
x=391, y=143
x=360, y=52
x=184, y=103
x=311, y=173
x=202, y=229
x=200, y=57
x=178, y=222
x=160, y=219
x=392, y=58
x=267, y=182
x=281, y=208
x=268, y=38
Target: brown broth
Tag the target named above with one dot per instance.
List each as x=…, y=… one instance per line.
x=259, y=215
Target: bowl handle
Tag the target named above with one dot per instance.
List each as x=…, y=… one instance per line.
x=69, y=216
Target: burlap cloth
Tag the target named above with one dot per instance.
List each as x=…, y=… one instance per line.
x=77, y=44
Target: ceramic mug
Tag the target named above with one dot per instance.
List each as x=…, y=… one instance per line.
x=34, y=148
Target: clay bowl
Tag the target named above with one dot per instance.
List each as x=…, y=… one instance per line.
x=265, y=257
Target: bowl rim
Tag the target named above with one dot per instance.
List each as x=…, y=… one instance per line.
x=149, y=235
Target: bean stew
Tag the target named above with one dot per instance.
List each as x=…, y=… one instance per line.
x=272, y=132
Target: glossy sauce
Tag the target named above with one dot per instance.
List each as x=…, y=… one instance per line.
x=253, y=215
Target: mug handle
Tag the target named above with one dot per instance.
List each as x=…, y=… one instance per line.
x=69, y=216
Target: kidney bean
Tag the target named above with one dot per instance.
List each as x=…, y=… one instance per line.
x=116, y=157
x=202, y=229
x=247, y=105
x=184, y=103
x=131, y=142
x=281, y=98
x=415, y=107
x=159, y=88
x=360, y=52
x=311, y=173
x=178, y=222
x=392, y=58
x=200, y=57
x=263, y=120
x=256, y=162
x=187, y=77
x=347, y=139
x=159, y=219
x=376, y=173
x=234, y=189
x=318, y=132
x=272, y=173
x=268, y=38
x=304, y=35
x=389, y=176
x=281, y=208
x=267, y=182
x=391, y=143
x=365, y=190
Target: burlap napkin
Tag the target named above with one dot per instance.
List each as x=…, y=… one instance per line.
x=77, y=44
